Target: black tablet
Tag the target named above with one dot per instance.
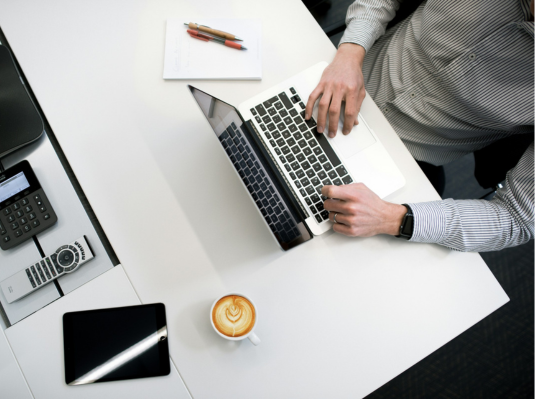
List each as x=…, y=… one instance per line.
x=115, y=344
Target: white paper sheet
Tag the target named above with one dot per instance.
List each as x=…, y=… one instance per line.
x=189, y=58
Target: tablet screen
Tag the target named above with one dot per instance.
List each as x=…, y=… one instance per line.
x=115, y=344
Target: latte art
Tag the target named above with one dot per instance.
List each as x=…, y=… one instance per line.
x=233, y=316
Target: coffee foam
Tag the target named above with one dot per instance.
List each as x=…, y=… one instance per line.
x=233, y=316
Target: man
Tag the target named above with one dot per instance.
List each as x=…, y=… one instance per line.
x=451, y=78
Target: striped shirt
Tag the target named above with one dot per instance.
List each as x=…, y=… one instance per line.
x=452, y=78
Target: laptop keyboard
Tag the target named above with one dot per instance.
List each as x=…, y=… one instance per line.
x=306, y=154
x=259, y=184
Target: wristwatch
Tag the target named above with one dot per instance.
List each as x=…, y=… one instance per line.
x=407, y=224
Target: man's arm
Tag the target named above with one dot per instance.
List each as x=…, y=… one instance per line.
x=463, y=225
x=342, y=80
x=479, y=225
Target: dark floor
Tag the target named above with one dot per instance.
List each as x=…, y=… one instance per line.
x=493, y=359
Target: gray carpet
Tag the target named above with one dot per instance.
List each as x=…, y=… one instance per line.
x=493, y=359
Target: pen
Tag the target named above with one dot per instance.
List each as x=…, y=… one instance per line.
x=206, y=38
x=215, y=32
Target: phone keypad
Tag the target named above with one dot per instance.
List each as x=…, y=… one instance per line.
x=27, y=216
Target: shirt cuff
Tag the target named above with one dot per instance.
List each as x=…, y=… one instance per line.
x=429, y=223
x=361, y=32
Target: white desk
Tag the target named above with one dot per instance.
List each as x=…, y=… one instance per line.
x=339, y=317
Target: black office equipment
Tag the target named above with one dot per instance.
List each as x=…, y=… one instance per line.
x=20, y=123
x=115, y=344
x=24, y=207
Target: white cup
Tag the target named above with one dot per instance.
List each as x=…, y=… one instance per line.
x=250, y=335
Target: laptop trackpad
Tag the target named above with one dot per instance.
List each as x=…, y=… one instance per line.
x=358, y=140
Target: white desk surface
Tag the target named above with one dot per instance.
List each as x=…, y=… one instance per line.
x=339, y=317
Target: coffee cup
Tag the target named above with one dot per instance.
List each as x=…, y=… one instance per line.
x=234, y=317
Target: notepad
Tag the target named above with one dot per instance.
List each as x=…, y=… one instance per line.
x=189, y=58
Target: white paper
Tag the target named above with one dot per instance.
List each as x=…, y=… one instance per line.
x=189, y=58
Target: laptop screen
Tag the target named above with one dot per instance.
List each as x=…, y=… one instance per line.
x=253, y=169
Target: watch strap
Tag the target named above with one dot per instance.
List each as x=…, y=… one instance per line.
x=407, y=224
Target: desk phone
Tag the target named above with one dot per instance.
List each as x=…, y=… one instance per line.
x=24, y=208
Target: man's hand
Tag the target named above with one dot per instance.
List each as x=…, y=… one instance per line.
x=341, y=81
x=360, y=212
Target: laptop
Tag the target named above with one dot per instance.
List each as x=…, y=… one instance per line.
x=284, y=162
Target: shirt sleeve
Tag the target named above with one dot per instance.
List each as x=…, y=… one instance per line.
x=366, y=21
x=479, y=225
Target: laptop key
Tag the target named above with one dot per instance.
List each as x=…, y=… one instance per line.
x=286, y=101
x=283, y=113
x=298, y=135
x=288, y=120
x=277, y=151
x=308, y=201
x=326, y=182
x=269, y=103
x=276, y=135
x=290, y=157
x=266, y=119
x=303, y=127
x=318, y=218
x=315, y=181
x=341, y=171
x=332, y=174
x=295, y=166
x=305, y=165
x=327, y=148
x=292, y=128
x=308, y=135
x=277, y=105
x=291, y=142
x=310, y=190
x=276, y=119
x=327, y=166
x=301, y=157
x=281, y=126
x=307, y=151
x=293, y=112
x=347, y=179
x=300, y=173
x=272, y=111
x=337, y=182
x=286, y=134
x=296, y=150
x=261, y=110
x=325, y=215
x=271, y=127
x=285, y=150
x=310, y=173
